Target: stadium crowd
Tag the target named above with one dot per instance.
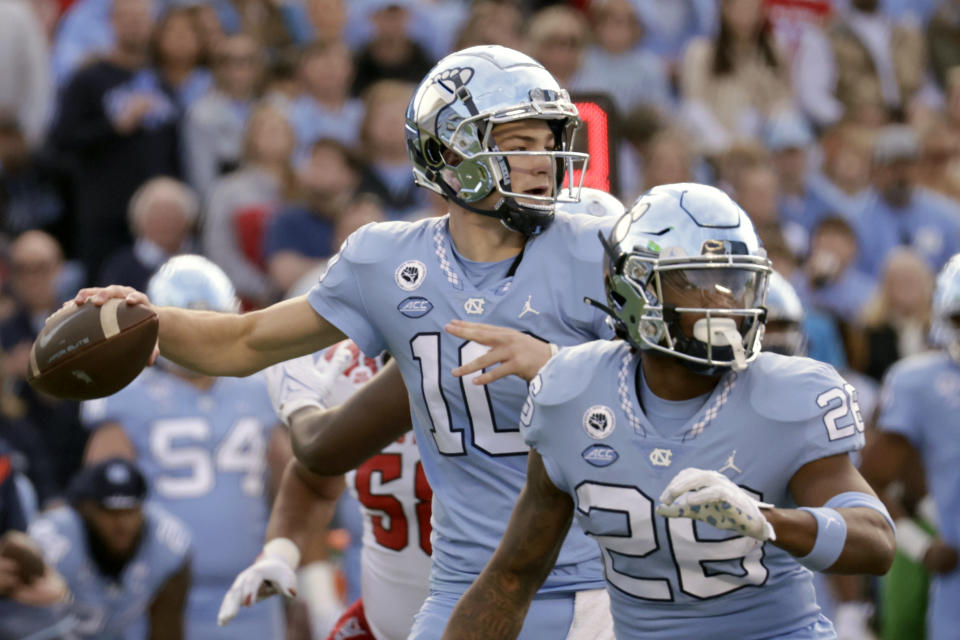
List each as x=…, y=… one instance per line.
x=261, y=133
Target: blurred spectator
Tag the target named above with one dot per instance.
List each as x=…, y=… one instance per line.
x=121, y=130
x=879, y=63
x=12, y=516
x=84, y=32
x=301, y=236
x=281, y=84
x=492, y=22
x=939, y=165
x=732, y=83
x=943, y=39
x=26, y=86
x=757, y=190
x=176, y=54
x=29, y=454
x=391, y=53
x=162, y=214
x=841, y=186
x=213, y=130
x=637, y=129
x=896, y=322
x=36, y=267
x=241, y=203
x=325, y=109
x=209, y=31
x=830, y=280
x=669, y=26
x=328, y=19
x=35, y=188
x=363, y=209
x=384, y=147
x=900, y=213
x=667, y=159
x=557, y=39
x=788, y=139
x=616, y=64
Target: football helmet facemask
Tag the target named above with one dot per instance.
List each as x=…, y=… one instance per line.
x=449, y=130
x=783, y=332
x=946, y=308
x=685, y=275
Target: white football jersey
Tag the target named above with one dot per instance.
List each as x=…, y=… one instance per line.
x=395, y=497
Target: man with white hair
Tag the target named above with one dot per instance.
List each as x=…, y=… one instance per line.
x=161, y=215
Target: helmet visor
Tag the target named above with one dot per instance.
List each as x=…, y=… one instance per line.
x=716, y=287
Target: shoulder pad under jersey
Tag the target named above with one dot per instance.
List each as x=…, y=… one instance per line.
x=574, y=369
x=376, y=241
x=785, y=388
x=579, y=234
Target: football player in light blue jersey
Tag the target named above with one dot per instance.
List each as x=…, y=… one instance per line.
x=204, y=444
x=125, y=563
x=919, y=414
x=490, y=130
x=672, y=445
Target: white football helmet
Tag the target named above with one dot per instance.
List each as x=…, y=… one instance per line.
x=685, y=275
x=449, y=131
x=946, y=307
x=593, y=202
x=192, y=282
x=784, y=325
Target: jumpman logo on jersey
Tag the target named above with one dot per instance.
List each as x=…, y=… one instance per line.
x=730, y=464
x=528, y=308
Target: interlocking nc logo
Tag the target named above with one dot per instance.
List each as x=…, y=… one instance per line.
x=474, y=306
x=661, y=457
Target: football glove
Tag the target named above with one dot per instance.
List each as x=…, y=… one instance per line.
x=273, y=572
x=306, y=381
x=711, y=497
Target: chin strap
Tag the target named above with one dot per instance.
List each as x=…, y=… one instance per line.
x=526, y=220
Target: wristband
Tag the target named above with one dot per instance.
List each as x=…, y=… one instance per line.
x=912, y=540
x=831, y=536
x=285, y=549
x=554, y=349
x=291, y=407
x=927, y=511
x=850, y=499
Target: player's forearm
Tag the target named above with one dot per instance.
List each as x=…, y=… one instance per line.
x=869, y=544
x=304, y=505
x=493, y=607
x=226, y=344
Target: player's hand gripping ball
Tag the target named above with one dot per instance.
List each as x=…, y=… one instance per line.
x=90, y=351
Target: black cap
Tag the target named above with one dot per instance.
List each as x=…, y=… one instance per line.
x=115, y=483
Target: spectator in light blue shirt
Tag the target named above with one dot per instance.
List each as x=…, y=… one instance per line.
x=616, y=63
x=899, y=213
x=829, y=280
x=325, y=108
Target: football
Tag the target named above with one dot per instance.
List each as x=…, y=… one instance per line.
x=21, y=549
x=88, y=351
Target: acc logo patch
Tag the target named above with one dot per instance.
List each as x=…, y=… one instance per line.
x=415, y=307
x=410, y=275
x=599, y=422
x=600, y=455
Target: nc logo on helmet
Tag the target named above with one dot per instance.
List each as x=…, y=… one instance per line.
x=599, y=422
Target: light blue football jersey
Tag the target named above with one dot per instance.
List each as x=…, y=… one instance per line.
x=204, y=456
x=104, y=608
x=394, y=286
x=677, y=578
x=921, y=401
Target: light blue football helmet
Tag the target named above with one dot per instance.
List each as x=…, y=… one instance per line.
x=449, y=128
x=784, y=324
x=192, y=282
x=685, y=275
x=946, y=307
